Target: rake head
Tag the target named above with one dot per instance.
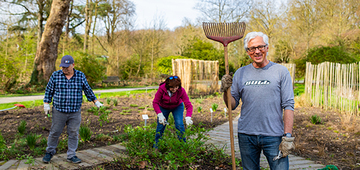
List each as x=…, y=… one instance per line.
x=224, y=33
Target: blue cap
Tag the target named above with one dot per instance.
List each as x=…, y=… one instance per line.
x=66, y=61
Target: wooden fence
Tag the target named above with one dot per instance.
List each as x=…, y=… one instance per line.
x=333, y=85
x=197, y=76
x=291, y=68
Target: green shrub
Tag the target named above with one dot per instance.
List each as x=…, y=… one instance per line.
x=315, y=119
x=317, y=55
x=115, y=102
x=85, y=133
x=108, y=101
x=164, y=65
x=22, y=127
x=133, y=105
x=31, y=140
x=173, y=153
x=92, y=66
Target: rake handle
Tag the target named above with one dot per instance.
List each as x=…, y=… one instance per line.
x=228, y=94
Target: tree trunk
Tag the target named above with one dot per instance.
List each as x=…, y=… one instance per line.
x=47, y=49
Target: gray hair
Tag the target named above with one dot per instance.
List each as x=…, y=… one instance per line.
x=252, y=35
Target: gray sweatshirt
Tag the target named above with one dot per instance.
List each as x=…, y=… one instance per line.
x=264, y=93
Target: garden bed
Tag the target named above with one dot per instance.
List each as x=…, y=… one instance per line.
x=334, y=140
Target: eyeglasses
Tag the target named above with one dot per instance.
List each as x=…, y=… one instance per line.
x=253, y=49
x=173, y=77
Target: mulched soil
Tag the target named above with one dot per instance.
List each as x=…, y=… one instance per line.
x=336, y=140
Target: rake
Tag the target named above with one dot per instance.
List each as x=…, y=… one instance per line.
x=226, y=33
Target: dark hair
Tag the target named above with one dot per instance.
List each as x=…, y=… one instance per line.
x=172, y=81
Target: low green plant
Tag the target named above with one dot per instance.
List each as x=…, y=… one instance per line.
x=172, y=152
x=43, y=142
x=128, y=94
x=22, y=127
x=103, y=137
x=141, y=107
x=199, y=109
x=150, y=109
x=108, y=101
x=85, y=133
x=30, y=160
x=2, y=143
x=124, y=113
x=315, y=119
x=115, y=102
x=31, y=140
x=214, y=106
x=133, y=105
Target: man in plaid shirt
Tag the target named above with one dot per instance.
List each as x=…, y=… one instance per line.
x=65, y=87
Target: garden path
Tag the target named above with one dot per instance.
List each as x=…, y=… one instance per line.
x=219, y=136
x=39, y=97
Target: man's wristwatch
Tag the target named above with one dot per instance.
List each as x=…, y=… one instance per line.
x=288, y=135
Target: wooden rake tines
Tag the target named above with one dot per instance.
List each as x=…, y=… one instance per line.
x=224, y=32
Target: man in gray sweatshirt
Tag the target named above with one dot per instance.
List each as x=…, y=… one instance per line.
x=267, y=109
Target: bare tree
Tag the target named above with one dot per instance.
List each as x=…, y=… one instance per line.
x=47, y=50
x=30, y=10
x=115, y=14
x=224, y=10
x=305, y=18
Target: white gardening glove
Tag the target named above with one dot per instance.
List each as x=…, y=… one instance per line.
x=226, y=82
x=188, y=121
x=286, y=145
x=98, y=104
x=46, y=108
x=161, y=118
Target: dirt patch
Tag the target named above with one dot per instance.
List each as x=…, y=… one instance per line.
x=336, y=140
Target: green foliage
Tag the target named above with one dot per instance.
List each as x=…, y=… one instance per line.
x=133, y=105
x=315, y=119
x=164, y=65
x=103, y=137
x=31, y=140
x=85, y=133
x=172, y=152
x=201, y=50
x=108, y=101
x=214, y=106
x=115, y=102
x=317, y=55
x=91, y=66
x=22, y=127
x=2, y=143
x=199, y=109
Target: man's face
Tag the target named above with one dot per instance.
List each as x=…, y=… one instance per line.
x=68, y=70
x=257, y=51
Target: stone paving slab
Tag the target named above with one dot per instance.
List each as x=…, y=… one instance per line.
x=8, y=164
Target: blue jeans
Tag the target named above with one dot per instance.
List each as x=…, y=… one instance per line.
x=59, y=120
x=179, y=124
x=250, y=148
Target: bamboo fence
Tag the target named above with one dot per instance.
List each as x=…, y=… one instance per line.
x=197, y=76
x=333, y=85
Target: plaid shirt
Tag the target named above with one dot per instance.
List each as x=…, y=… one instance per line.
x=68, y=93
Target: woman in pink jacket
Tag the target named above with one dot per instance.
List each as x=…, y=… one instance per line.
x=171, y=97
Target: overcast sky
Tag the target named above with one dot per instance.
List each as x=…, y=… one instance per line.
x=172, y=12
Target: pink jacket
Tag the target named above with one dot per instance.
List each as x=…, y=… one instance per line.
x=163, y=99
